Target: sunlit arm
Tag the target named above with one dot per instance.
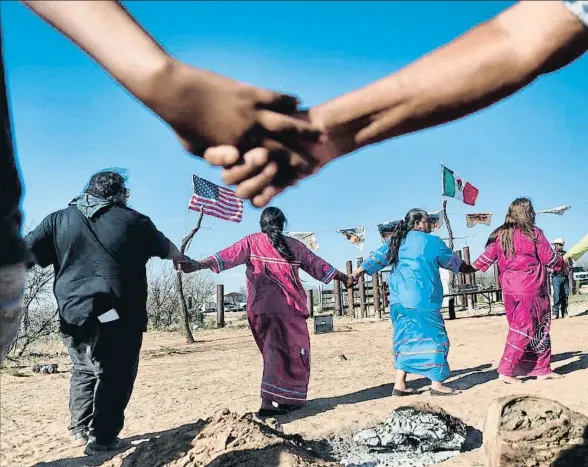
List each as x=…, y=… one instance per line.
x=108, y=33
x=485, y=65
x=578, y=250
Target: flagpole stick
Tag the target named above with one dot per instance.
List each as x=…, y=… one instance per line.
x=180, y=284
x=450, y=235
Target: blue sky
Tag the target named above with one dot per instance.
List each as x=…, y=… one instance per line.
x=71, y=119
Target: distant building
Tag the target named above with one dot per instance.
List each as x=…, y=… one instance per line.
x=235, y=298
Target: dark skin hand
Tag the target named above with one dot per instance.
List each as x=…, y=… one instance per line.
x=467, y=269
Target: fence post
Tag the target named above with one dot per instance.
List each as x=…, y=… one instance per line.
x=337, y=294
x=350, y=304
x=452, y=308
x=469, y=278
x=361, y=284
x=310, y=302
x=497, y=281
x=460, y=281
x=376, y=295
x=220, y=306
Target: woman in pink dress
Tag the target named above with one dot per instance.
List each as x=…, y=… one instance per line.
x=276, y=306
x=523, y=254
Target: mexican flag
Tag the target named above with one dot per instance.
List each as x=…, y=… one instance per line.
x=456, y=187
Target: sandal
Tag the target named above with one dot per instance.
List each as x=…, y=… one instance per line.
x=407, y=392
x=453, y=392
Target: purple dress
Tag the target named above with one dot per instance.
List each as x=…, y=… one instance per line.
x=526, y=301
x=277, y=310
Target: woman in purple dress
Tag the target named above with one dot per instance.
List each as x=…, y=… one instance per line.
x=276, y=306
x=523, y=254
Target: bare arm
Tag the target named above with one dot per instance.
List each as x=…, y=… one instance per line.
x=487, y=64
x=204, y=109
x=105, y=31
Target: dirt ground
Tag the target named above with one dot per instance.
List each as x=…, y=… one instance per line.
x=179, y=384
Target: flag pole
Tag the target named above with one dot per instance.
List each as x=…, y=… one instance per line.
x=449, y=230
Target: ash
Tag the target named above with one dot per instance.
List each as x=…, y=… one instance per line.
x=413, y=436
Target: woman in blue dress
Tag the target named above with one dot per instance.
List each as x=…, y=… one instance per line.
x=420, y=340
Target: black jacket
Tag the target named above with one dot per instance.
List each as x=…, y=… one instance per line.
x=99, y=260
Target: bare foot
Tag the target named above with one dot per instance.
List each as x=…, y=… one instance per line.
x=549, y=376
x=509, y=379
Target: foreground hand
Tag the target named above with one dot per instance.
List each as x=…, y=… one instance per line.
x=264, y=174
x=206, y=109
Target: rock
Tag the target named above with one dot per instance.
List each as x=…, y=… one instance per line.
x=45, y=369
x=341, y=358
x=416, y=428
x=529, y=431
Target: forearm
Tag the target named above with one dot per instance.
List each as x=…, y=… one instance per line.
x=174, y=253
x=108, y=33
x=207, y=263
x=341, y=277
x=578, y=250
x=358, y=272
x=489, y=63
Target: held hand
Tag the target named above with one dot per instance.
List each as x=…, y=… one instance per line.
x=263, y=174
x=187, y=266
x=206, y=110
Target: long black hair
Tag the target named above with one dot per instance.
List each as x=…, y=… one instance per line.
x=272, y=224
x=398, y=235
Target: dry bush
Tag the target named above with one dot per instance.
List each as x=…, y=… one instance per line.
x=163, y=305
x=39, y=320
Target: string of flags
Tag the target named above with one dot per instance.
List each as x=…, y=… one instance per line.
x=308, y=238
x=559, y=211
x=386, y=228
x=355, y=236
x=481, y=218
x=223, y=203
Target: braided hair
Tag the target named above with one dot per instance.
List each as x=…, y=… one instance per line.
x=272, y=224
x=400, y=231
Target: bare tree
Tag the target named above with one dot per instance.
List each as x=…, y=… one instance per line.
x=199, y=288
x=39, y=310
x=162, y=300
x=180, y=285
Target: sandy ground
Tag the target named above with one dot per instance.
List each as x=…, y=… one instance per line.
x=178, y=384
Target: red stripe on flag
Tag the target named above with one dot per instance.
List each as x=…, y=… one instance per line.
x=470, y=194
x=208, y=202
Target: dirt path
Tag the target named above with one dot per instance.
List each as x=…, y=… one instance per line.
x=178, y=384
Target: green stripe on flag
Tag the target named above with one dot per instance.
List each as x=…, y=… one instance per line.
x=448, y=183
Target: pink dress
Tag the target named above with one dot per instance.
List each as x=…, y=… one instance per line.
x=524, y=287
x=277, y=310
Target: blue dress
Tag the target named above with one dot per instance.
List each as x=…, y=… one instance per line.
x=421, y=344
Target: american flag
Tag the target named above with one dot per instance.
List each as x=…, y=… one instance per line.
x=215, y=200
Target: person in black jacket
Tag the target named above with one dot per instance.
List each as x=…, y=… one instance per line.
x=99, y=248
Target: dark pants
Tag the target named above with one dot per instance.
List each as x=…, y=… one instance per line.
x=561, y=291
x=105, y=361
